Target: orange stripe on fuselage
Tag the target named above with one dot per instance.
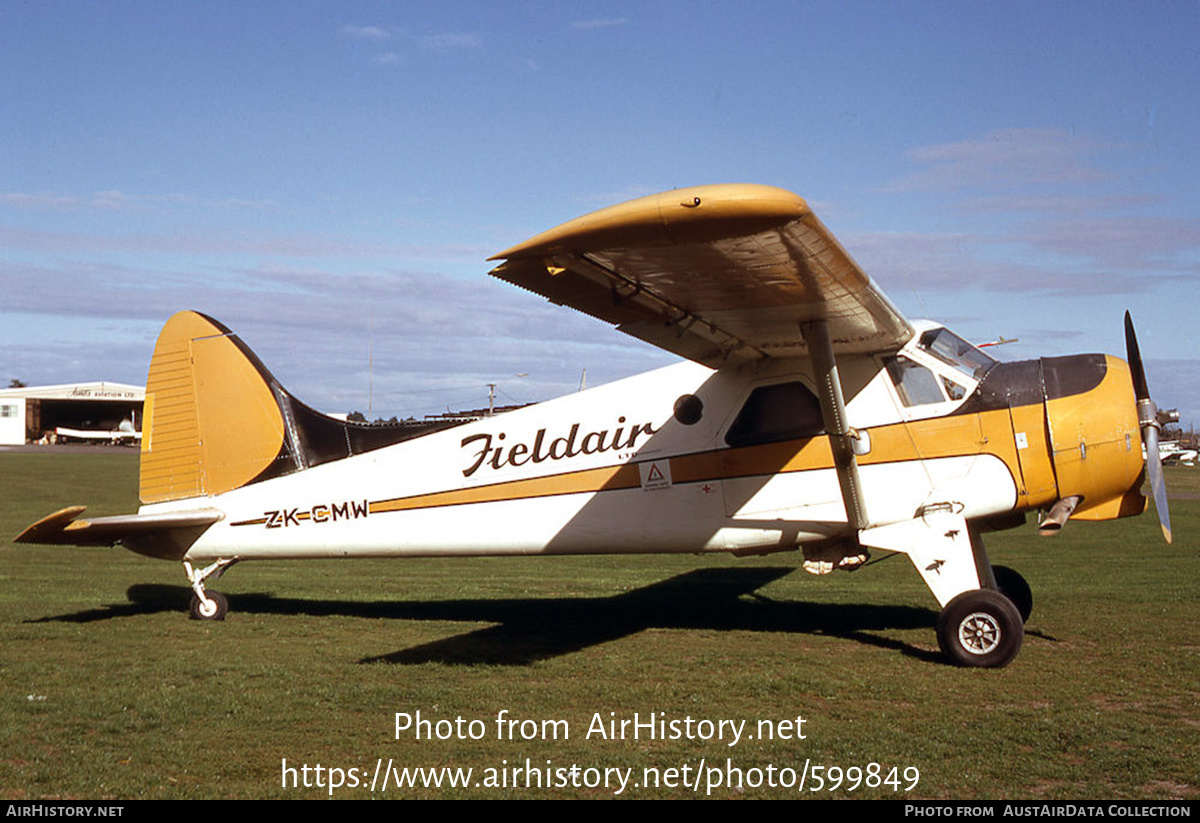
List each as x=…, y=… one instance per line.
x=955, y=436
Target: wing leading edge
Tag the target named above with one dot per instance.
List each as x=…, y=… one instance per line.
x=717, y=274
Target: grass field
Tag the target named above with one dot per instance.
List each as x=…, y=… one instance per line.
x=110, y=692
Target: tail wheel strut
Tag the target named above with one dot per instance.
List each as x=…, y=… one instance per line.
x=207, y=605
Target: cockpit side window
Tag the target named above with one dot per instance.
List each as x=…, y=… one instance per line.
x=953, y=390
x=785, y=411
x=915, y=384
x=951, y=349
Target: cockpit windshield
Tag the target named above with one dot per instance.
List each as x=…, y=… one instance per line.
x=951, y=349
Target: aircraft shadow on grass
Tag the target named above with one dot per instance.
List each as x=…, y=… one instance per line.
x=531, y=629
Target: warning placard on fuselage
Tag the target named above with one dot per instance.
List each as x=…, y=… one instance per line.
x=656, y=474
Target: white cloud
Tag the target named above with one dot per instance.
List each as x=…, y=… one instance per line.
x=114, y=200
x=364, y=32
x=449, y=41
x=1037, y=210
x=598, y=23
x=1143, y=246
x=276, y=245
x=102, y=200
x=312, y=326
x=1017, y=263
x=22, y=200
x=1176, y=384
x=1005, y=159
x=439, y=42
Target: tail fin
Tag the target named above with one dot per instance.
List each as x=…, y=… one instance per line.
x=215, y=419
x=212, y=422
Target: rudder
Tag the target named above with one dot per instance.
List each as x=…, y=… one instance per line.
x=212, y=421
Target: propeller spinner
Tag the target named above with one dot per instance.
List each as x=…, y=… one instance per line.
x=1151, y=420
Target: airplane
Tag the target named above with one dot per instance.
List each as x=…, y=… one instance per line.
x=807, y=413
x=1173, y=453
x=123, y=432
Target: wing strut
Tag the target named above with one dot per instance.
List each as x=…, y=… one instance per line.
x=842, y=438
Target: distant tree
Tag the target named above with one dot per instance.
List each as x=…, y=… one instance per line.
x=16, y=383
x=356, y=417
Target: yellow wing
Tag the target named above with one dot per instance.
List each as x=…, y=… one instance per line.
x=717, y=274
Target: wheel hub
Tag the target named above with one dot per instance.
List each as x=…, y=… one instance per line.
x=979, y=633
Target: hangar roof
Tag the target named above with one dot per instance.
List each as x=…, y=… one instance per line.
x=99, y=390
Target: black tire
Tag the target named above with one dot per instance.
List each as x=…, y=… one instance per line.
x=980, y=628
x=1012, y=585
x=197, y=611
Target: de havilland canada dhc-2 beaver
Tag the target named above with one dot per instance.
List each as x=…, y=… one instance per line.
x=808, y=414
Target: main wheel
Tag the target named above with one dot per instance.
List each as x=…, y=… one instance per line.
x=1013, y=586
x=980, y=628
x=213, y=610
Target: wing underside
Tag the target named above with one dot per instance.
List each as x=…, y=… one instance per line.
x=717, y=274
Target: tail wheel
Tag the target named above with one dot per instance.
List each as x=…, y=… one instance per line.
x=1012, y=585
x=214, y=609
x=980, y=628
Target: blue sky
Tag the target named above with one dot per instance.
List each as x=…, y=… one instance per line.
x=328, y=179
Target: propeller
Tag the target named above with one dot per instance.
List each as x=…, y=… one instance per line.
x=1151, y=420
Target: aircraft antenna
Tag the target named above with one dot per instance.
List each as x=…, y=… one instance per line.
x=1001, y=341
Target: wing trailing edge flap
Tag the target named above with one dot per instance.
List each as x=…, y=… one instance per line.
x=716, y=274
x=166, y=535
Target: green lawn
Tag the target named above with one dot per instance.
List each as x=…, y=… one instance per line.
x=110, y=692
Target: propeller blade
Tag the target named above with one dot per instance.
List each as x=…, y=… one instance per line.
x=1158, y=484
x=1134, y=355
x=1148, y=419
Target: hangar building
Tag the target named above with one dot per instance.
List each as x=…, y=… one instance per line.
x=31, y=412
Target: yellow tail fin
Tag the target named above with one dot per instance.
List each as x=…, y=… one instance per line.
x=215, y=419
x=212, y=419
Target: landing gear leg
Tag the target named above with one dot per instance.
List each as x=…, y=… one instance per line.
x=984, y=627
x=978, y=625
x=207, y=605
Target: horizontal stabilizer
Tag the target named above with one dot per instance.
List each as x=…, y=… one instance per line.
x=166, y=535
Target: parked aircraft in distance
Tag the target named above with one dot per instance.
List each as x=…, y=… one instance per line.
x=808, y=414
x=1175, y=453
x=124, y=432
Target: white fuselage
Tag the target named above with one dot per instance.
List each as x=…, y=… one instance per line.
x=608, y=470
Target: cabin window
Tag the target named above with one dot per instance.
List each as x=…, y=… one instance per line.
x=915, y=384
x=785, y=411
x=689, y=409
x=953, y=390
x=8, y=410
x=951, y=349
